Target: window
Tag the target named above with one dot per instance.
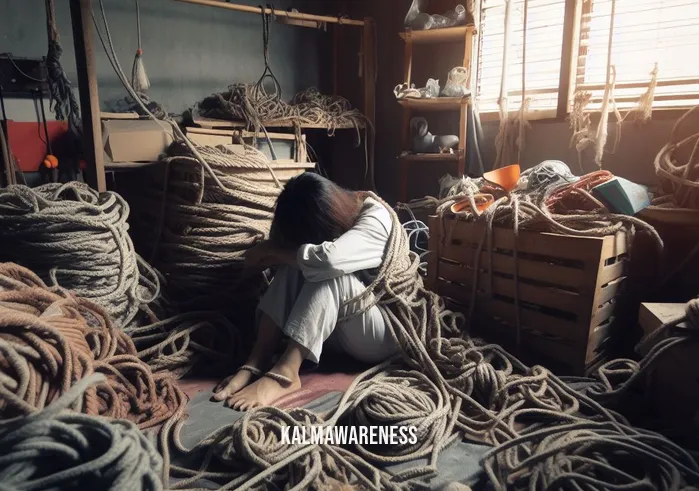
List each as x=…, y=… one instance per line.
x=644, y=32
x=543, y=58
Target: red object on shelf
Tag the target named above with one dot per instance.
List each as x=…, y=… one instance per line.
x=26, y=140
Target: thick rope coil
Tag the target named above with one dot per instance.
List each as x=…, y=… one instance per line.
x=77, y=238
x=58, y=449
x=206, y=224
x=51, y=339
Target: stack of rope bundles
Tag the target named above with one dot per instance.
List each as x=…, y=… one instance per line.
x=51, y=339
x=469, y=389
x=253, y=105
x=209, y=219
x=58, y=449
x=77, y=238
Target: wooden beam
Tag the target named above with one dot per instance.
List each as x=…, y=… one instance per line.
x=93, y=149
x=279, y=13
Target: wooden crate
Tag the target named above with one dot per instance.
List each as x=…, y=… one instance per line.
x=567, y=288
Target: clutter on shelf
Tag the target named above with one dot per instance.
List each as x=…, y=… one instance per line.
x=417, y=18
x=456, y=86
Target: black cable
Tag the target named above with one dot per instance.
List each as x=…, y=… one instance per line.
x=45, y=123
x=9, y=57
x=38, y=118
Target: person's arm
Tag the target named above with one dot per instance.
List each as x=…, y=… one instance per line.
x=362, y=247
x=266, y=254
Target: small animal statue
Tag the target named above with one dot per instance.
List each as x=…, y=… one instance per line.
x=426, y=142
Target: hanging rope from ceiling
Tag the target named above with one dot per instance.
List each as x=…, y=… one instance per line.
x=63, y=101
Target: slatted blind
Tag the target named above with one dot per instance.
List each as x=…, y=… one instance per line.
x=645, y=32
x=543, y=58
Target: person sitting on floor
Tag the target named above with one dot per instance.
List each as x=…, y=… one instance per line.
x=326, y=243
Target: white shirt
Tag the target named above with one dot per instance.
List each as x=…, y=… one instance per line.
x=359, y=249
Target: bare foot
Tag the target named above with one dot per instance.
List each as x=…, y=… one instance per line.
x=231, y=385
x=263, y=392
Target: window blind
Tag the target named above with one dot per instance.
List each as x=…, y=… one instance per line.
x=543, y=58
x=644, y=32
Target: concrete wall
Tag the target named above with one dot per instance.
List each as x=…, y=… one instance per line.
x=546, y=140
x=190, y=51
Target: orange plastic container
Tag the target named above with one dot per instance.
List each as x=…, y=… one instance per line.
x=505, y=178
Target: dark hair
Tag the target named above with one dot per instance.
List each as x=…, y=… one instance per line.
x=311, y=210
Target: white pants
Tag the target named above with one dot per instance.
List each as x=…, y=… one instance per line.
x=308, y=313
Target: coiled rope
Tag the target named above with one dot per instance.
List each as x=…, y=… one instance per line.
x=447, y=384
x=51, y=339
x=205, y=228
x=58, y=449
x=76, y=238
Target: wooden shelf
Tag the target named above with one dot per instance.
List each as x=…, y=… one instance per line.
x=212, y=123
x=436, y=36
x=430, y=157
x=434, y=104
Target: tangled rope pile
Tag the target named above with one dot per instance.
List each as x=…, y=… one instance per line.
x=451, y=387
x=51, y=339
x=58, y=449
x=76, y=238
x=614, y=379
x=252, y=104
x=547, y=458
x=202, y=341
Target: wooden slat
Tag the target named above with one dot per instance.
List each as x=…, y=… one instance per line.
x=435, y=104
x=243, y=133
x=597, y=336
x=540, y=295
x=213, y=123
x=435, y=36
x=603, y=313
x=610, y=291
x=535, y=344
x=563, y=276
x=209, y=139
x=531, y=319
x=586, y=249
x=128, y=115
x=612, y=272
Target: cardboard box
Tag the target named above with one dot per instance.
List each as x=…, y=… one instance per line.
x=135, y=141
